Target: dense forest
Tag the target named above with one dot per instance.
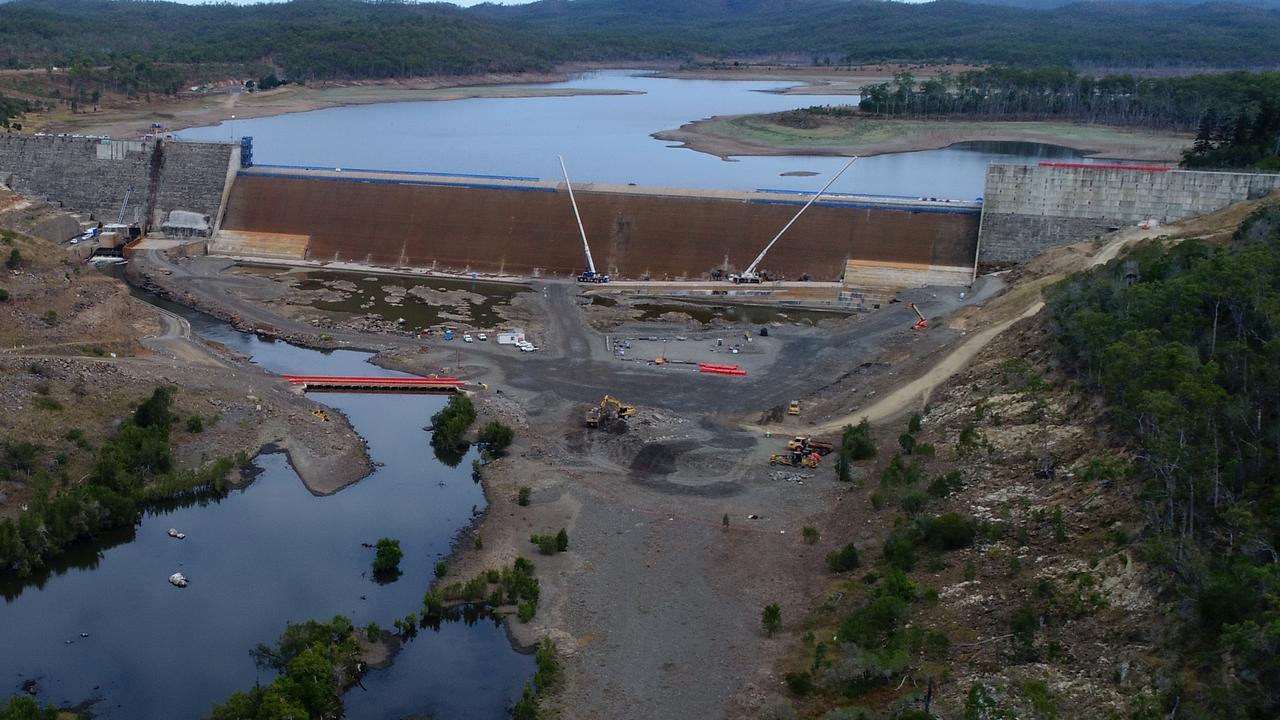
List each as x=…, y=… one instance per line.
x=1236, y=114
x=136, y=46
x=11, y=109
x=1184, y=344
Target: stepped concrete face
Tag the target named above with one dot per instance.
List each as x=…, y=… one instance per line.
x=520, y=226
x=92, y=176
x=1028, y=208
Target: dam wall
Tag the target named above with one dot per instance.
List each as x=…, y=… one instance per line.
x=92, y=176
x=522, y=226
x=1029, y=208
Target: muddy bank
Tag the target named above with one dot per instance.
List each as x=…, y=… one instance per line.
x=189, y=111
x=779, y=134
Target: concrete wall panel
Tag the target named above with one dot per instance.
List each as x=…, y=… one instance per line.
x=632, y=235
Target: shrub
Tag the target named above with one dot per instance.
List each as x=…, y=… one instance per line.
x=810, y=535
x=907, y=442
x=522, y=497
x=432, y=605
x=944, y=485
x=873, y=624
x=546, y=543
x=526, y=708
x=15, y=259
x=387, y=559
x=1037, y=692
x=915, y=423
x=900, y=474
x=527, y=610
x=913, y=503
x=496, y=437
x=800, y=683
x=4, y=295
x=50, y=317
x=562, y=540
x=844, y=559
x=373, y=632
x=949, y=532
x=195, y=425
x=900, y=547
x=442, y=569
x=771, y=618
x=46, y=403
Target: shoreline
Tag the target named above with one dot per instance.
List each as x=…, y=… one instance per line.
x=216, y=108
x=727, y=136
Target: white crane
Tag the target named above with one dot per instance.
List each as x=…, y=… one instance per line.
x=590, y=275
x=749, y=275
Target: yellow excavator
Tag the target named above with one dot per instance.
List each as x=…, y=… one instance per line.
x=609, y=406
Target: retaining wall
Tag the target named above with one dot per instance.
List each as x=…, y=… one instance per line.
x=1028, y=208
x=92, y=176
x=531, y=230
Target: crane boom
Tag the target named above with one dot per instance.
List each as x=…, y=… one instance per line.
x=750, y=270
x=591, y=264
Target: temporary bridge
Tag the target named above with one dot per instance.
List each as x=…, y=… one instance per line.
x=376, y=384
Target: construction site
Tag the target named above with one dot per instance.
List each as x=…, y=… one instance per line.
x=678, y=367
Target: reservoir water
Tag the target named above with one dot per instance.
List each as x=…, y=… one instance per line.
x=604, y=138
x=262, y=556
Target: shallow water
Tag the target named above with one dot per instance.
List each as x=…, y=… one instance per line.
x=416, y=312
x=260, y=557
x=604, y=138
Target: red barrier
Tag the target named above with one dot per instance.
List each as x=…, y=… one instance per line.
x=721, y=369
x=1091, y=166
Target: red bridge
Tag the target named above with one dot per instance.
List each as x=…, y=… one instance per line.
x=375, y=384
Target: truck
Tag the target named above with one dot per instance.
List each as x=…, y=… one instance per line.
x=806, y=444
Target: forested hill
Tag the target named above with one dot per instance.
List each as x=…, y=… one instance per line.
x=305, y=38
x=1097, y=33
x=320, y=39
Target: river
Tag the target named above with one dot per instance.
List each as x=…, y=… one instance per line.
x=604, y=138
x=264, y=555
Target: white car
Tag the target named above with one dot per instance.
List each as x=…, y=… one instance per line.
x=466, y=337
x=481, y=337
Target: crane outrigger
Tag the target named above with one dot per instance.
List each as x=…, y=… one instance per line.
x=750, y=275
x=589, y=275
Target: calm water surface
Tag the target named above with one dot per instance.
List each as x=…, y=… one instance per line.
x=262, y=556
x=604, y=138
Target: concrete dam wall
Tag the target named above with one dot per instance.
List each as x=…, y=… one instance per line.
x=516, y=225
x=1028, y=208
x=92, y=176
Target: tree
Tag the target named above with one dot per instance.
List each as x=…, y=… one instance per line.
x=771, y=618
x=562, y=540
x=15, y=259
